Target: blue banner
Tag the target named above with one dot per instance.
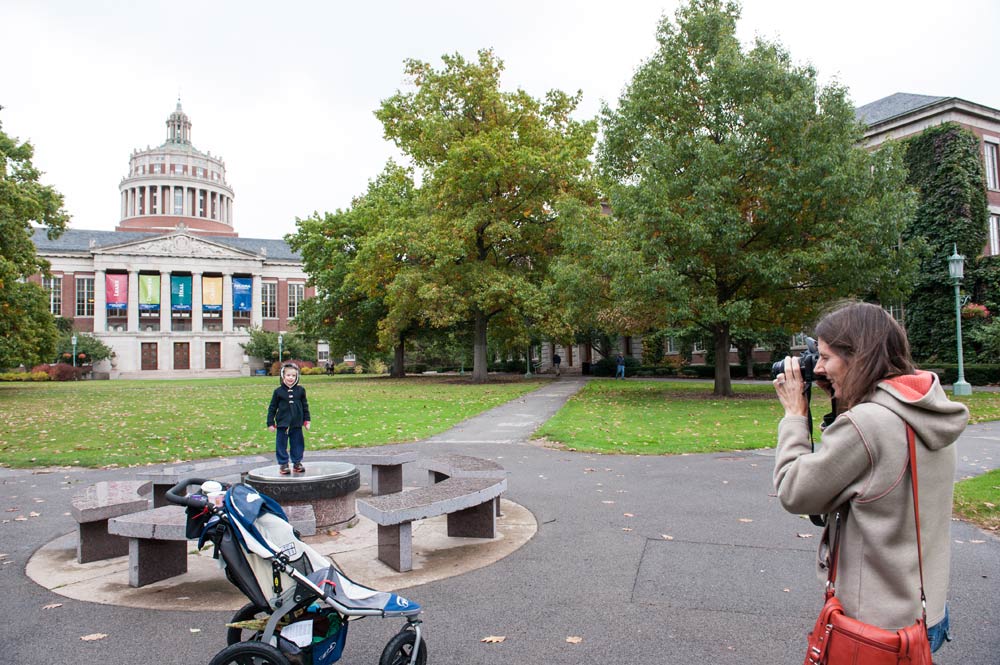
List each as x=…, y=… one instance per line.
x=180, y=293
x=242, y=294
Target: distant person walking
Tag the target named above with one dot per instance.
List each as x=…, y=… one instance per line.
x=556, y=359
x=620, y=370
x=287, y=414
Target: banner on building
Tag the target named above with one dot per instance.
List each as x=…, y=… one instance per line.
x=211, y=294
x=180, y=293
x=242, y=294
x=149, y=293
x=116, y=289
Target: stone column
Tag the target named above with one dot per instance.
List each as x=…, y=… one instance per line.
x=255, y=303
x=227, y=302
x=164, y=301
x=100, y=302
x=133, y=301
x=197, y=307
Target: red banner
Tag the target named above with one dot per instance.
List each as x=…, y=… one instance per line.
x=116, y=288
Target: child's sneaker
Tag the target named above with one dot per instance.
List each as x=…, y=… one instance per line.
x=298, y=468
x=283, y=469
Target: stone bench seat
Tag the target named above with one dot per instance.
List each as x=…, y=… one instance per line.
x=157, y=542
x=468, y=503
x=165, y=478
x=463, y=466
x=98, y=503
x=387, y=468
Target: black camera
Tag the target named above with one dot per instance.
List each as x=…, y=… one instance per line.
x=807, y=362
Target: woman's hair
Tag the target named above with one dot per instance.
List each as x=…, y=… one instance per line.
x=872, y=344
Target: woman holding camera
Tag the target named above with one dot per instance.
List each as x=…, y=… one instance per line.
x=858, y=476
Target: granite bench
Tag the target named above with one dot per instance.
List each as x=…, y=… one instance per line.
x=169, y=476
x=98, y=503
x=157, y=543
x=468, y=502
x=463, y=466
x=387, y=468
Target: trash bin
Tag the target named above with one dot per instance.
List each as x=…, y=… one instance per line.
x=585, y=368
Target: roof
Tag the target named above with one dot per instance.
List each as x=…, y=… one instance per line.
x=79, y=240
x=894, y=105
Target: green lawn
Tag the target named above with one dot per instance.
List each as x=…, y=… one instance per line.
x=121, y=423
x=668, y=417
x=978, y=500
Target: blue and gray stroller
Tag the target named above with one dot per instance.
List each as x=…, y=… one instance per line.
x=300, y=604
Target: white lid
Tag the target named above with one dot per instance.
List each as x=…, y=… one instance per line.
x=210, y=486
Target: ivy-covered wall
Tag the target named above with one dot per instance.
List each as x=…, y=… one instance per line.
x=945, y=167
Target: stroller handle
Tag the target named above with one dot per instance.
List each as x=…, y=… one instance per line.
x=178, y=493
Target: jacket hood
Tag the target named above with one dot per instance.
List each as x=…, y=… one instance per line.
x=920, y=400
x=281, y=375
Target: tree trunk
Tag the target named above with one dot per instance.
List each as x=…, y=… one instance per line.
x=723, y=382
x=480, y=372
x=398, y=363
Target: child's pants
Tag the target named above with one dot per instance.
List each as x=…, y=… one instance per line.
x=289, y=436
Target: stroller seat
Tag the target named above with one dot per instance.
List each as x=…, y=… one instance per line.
x=355, y=596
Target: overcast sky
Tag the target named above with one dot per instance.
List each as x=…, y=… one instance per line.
x=284, y=92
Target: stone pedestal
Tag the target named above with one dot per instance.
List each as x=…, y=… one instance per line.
x=329, y=487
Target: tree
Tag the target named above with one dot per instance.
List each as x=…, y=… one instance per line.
x=263, y=344
x=353, y=257
x=499, y=172
x=742, y=187
x=945, y=167
x=27, y=328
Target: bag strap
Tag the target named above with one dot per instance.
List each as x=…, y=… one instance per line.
x=831, y=576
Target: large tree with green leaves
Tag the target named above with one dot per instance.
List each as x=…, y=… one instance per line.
x=353, y=257
x=27, y=329
x=743, y=189
x=498, y=172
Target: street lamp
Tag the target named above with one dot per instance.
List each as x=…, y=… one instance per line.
x=281, y=339
x=956, y=268
x=73, y=342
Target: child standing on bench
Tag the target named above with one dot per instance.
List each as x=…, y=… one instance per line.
x=287, y=414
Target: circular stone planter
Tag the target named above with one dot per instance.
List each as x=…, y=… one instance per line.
x=329, y=487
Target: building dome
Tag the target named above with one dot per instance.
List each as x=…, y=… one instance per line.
x=175, y=183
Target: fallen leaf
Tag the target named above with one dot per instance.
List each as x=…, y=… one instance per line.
x=804, y=535
x=626, y=528
x=977, y=542
x=601, y=502
x=20, y=518
x=628, y=514
x=51, y=606
x=746, y=520
x=34, y=514
x=666, y=537
x=787, y=590
x=195, y=630
x=574, y=640
x=494, y=639
x=94, y=636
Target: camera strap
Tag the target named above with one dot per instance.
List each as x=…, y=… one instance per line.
x=818, y=520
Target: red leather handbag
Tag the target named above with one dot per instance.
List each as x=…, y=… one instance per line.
x=837, y=639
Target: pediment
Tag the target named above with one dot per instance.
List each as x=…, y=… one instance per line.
x=177, y=245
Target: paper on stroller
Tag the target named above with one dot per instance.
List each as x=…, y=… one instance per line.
x=300, y=632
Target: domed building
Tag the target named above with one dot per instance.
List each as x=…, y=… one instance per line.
x=174, y=290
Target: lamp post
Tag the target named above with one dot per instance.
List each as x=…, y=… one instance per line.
x=281, y=339
x=73, y=342
x=956, y=268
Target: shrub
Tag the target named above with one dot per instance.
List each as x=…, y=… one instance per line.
x=25, y=376
x=609, y=366
x=377, y=366
x=975, y=374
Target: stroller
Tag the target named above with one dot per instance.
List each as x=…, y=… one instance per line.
x=301, y=604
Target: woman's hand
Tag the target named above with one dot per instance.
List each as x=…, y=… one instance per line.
x=790, y=389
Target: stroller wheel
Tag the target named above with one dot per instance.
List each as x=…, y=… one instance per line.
x=399, y=650
x=245, y=613
x=249, y=653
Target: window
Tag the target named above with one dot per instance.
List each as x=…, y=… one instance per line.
x=201, y=202
x=992, y=180
x=671, y=345
x=895, y=311
x=798, y=340
x=994, y=235
x=178, y=201
x=296, y=294
x=53, y=287
x=698, y=347
x=269, y=300
x=84, y=296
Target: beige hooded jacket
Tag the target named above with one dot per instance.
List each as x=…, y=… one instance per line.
x=860, y=462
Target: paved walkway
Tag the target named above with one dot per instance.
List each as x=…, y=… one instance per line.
x=684, y=559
